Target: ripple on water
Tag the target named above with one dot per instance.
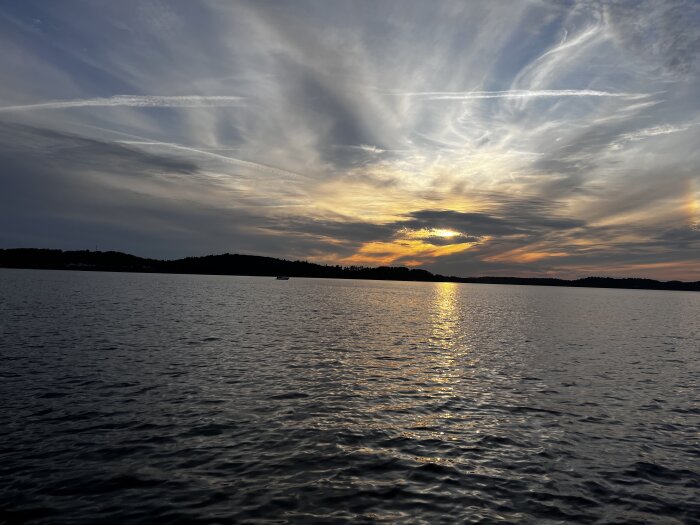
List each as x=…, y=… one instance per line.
x=201, y=398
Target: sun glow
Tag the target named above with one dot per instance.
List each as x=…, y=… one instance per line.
x=445, y=233
x=427, y=233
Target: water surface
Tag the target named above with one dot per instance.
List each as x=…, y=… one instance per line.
x=140, y=398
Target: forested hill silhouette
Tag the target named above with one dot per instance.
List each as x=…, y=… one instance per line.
x=235, y=264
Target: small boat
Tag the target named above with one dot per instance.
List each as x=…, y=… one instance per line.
x=282, y=278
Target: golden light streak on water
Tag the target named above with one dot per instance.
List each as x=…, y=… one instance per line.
x=444, y=312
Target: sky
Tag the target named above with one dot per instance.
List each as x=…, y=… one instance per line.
x=470, y=138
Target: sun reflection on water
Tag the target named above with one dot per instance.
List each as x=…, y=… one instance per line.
x=444, y=313
x=450, y=335
x=415, y=387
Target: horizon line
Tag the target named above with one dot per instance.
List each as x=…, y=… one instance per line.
x=326, y=265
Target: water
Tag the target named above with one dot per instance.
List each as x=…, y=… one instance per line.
x=141, y=398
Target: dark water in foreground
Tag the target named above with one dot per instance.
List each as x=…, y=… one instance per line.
x=128, y=397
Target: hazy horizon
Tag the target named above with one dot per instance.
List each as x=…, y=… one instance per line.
x=534, y=138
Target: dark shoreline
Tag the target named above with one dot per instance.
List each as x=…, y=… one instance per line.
x=253, y=265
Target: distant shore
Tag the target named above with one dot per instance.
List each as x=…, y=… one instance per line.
x=236, y=264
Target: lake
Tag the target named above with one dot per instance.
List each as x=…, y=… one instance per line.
x=141, y=398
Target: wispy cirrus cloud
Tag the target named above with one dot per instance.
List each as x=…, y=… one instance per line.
x=271, y=170
x=133, y=101
x=516, y=94
x=654, y=131
x=474, y=137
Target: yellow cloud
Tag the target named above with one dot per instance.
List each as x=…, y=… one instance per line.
x=386, y=193
x=413, y=252
x=526, y=254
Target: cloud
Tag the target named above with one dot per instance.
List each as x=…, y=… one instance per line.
x=55, y=149
x=518, y=94
x=133, y=101
x=664, y=36
x=405, y=252
x=519, y=222
x=217, y=156
x=653, y=131
x=346, y=130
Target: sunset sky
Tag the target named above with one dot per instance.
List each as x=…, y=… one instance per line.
x=553, y=138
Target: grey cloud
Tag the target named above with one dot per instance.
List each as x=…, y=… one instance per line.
x=474, y=223
x=28, y=144
x=348, y=231
x=668, y=32
x=342, y=122
x=685, y=239
x=61, y=190
x=519, y=221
